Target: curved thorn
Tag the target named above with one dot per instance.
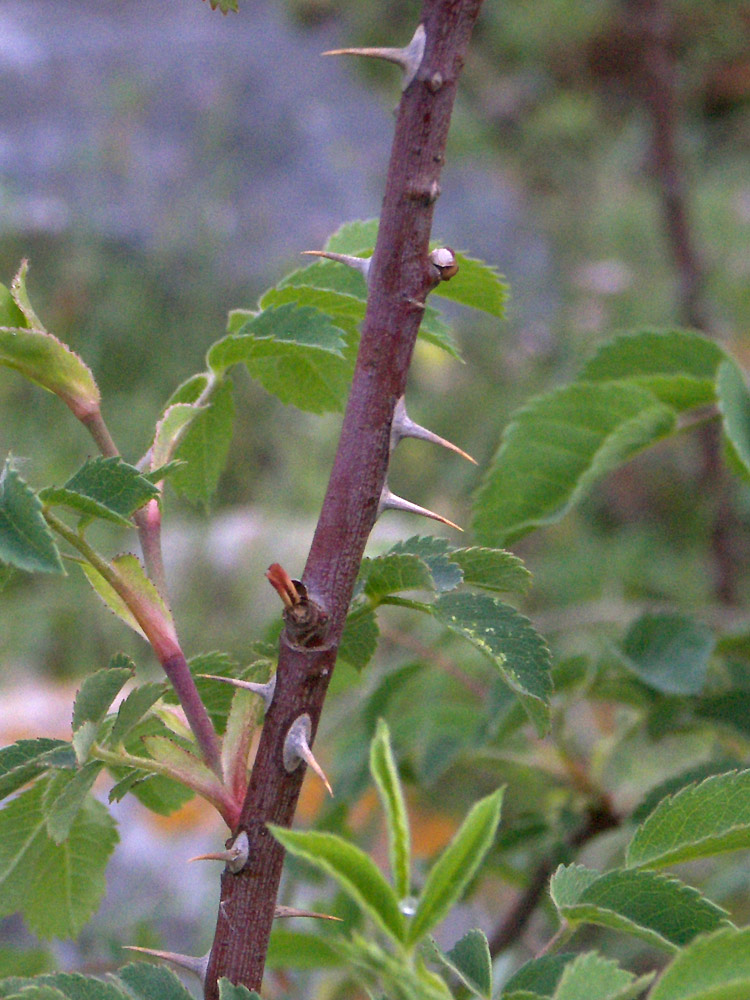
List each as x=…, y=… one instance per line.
x=297, y=748
x=361, y=264
x=235, y=856
x=408, y=58
x=289, y=911
x=389, y=501
x=265, y=691
x=194, y=964
x=403, y=426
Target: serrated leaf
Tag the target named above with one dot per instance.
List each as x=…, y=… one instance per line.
x=359, y=639
x=385, y=775
x=10, y=314
x=328, y=276
x=65, y=796
x=25, y=760
x=185, y=767
x=538, y=976
x=477, y=285
x=354, y=871
x=470, y=960
x=492, y=569
x=699, y=821
x=393, y=573
x=557, y=446
x=356, y=237
x=134, y=577
x=98, y=691
x=205, y=446
x=23, y=962
x=347, y=311
x=56, y=888
x=169, y=429
x=45, y=360
x=439, y=557
x=660, y=910
x=74, y=986
x=296, y=950
x=159, y=794
x=132, y=710
x=296, y=354
x=669, y=652
x=145, y=981
x=509, y=640
x=25, y=540
x=677, y=366
x=230, y=991
x=691, y=776
x=103, y=487
x=734, y=405
x=591, y=977
x=456, y=866
x=715, y=967
x=36, y=991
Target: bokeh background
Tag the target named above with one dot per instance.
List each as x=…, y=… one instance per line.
x=161, y=164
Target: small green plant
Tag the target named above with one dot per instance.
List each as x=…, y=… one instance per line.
x=338, y=334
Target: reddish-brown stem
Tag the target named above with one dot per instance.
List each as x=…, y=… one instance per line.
x=399, y=279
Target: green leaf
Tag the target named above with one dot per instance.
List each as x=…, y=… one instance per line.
x=205, y=446
x=691, y=776
x=699, y=821
x=715, y=967
x=45, y=360
x=439, y=557
x=185, y=767
x=134, y=576
x=37, y=991
x=456, y=866
x=660, y=910
x=477, y=285
x=65, y=796
x=230, y=991
x=152, y=982
x=677, y=366
x=471, y=961
x=225, y=6
x=295, y=950
x=393, y=573
x=359, y=640
x=557, y=446
x=98, y=691
x=356, y=237
x=25, y=540
x=385, y=775
x=23, y=962
x=509, y=641
x=72, y=986
x=492, y=569
x=354, y=871
x=296, y=354
x=25, y=760
x=734, y=405
x=132, y=710
x=539, y=975
x=103, y=487
x=10, y=314
x=57, y=888
x=591, y=977
x=669, y=652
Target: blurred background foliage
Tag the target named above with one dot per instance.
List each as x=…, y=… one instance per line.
x=551, y=119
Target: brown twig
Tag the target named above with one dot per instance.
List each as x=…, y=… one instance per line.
x=400, y=277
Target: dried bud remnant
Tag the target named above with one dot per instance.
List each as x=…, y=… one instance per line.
x=306, y=622
x=443, y=260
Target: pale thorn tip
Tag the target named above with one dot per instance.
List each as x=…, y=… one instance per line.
x=191, y=963
x=361, y=264
x=408, y=58
x=290, y=911
x=235, y=856
x=389, y=501
x=297, y=748
x=266, y=691
x=403, y=426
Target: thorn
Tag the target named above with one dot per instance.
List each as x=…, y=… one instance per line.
x=289, y=911
x=297, y=748
x=389, y=501
x=198, y=966
x=283, y=585
x=444, y=261
x=235, y=856
x=361, y=264
x=266, y=690
x=408, y=58
x=403, y=426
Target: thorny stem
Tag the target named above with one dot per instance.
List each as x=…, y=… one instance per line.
x=399, y=279
x=159, y=630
